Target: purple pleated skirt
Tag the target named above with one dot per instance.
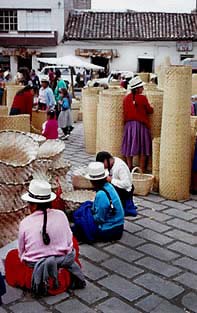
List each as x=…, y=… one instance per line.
x=136, y=139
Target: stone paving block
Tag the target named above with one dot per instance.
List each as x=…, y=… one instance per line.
x=158, y=266
x=153, y=225
x=149, y=303
x=151, y=235
x=185, y=249
x=2, y=310
x=158, y=252
x=158, y=216
x=29, y=307
x=91, y=293
x=92, y=271
x=154, y=198
x=131, y=240
x=73, y=306
x=131, y=227
x=167, y=307
x=114, y=305
x=50, y=300
x=159, y=285
x=187, y=263
x=12, y=294
x=182, y=236
x=188, y=279
x=190, y=302
x=191, y=203
x=176, y=205
x=151, y=205
x=93, y=253
x=181, y=214
x=123, y=287
x=123, y=253
x=122, y=268
x=180, y=224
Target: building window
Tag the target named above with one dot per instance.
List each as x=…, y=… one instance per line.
x=8, y=20
x=34, y=20
x=185, y=56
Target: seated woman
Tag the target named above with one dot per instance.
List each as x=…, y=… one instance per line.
x=120, y=178
x=45, y=257
x=106, y=211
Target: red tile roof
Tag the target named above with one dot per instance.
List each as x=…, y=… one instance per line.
x=89, y=25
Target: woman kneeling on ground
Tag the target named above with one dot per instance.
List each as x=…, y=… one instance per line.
x=45, y=261
x=102, y=220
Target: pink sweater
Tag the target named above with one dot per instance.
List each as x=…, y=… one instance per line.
x=30, y=244
x=51, y=129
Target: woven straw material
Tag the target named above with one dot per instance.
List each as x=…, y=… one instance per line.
x=143, y=183
x=41, y=168
x=35, y=130
x=9, y=224
x=155, y=97
x=110, y=121
x=194, y=84
x=37, y=138
x=51, y=149
x=60, y=162
x=15, y=122
x=114, y=83
x=38, y=118
x=155, y=163
x=73, y=199
x=3, y=110
x=10, y=197
x=149, y=87
x=79, y=181
x=4, y=101
x=90, y=99
x=59, y=173
x=175, y=148
x=145, y=77
x=11, y=91
x=17, y=152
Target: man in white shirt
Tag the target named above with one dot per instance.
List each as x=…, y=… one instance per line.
x=119, y=177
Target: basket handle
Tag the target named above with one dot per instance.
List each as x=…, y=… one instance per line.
x=136, y=169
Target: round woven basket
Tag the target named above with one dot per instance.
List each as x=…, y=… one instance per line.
x=37, y=138
x=145, y=77
x=17, y=152
x=155, y=97
x=155, y=163
x=51, y=149
x=3, y=110
x=194, y=84
x=10, y=197
x=59, y=173
x=15, y=122
x=175, y=148
x=79, y=181
x=143, y=183
x=59, y=161
x=11, y=91
x=41, y=169
x=90, y=99
x=38, y=118
x=110, y=121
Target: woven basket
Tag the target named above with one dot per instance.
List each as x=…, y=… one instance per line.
x=15, y=122
x=79, y=181
x=175, y=149
x=155, y=97
x=155, y=163
x=114, y=83
x=37, y=138
x=90, y=99
x=35, y=130
x=10, y=197
x=41, y=169
x=51, y=149
x=59, y=173
x=145, y=77
x=149, y=87
x=143, y=183
x=4, y=99
x=17, y=152
x=3, y=110
x=110, y=121
x=194, y=84
x=38, y=118
x=73, y=199
x=11, y=91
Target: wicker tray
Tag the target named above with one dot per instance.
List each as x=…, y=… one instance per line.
x=50, y=149
x=10, y=197
x=37, y=138
x=73, y=199
x=79, y=181
x=143, y=183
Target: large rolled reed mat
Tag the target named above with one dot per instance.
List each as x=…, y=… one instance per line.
x=175, y=148
x=155, y=97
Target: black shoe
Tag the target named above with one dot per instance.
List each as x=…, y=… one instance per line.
x=77, y=284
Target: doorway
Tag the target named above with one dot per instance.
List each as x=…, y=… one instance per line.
x=101, y=61
x=145, y=65
x=25, y=62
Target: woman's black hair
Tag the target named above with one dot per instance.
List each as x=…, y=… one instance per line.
x=43, y=207
x=134, y=94
x=51, y=114
x=102, y=156
x=65, y=92
x=23, y=90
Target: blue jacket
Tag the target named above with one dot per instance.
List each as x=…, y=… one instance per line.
x=101, y=209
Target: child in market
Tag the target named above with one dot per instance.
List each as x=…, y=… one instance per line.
x=65, y=116
x=50, y=127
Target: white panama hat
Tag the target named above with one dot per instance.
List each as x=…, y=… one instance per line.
x=135, y=82
x=96, y=171
x=39, y=192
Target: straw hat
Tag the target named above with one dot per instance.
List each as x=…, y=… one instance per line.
x=39, y=192
x=44, y=80
x=96, y=171
x=135, y=82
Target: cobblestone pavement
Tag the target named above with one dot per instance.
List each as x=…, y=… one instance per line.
x=153, y=268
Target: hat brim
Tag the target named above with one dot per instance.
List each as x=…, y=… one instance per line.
x=87, y=176
x=138, y=86
x=27, y=198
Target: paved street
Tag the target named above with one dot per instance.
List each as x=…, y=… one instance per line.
x=152, y=269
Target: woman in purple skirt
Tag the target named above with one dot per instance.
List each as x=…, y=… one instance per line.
x=136, y=138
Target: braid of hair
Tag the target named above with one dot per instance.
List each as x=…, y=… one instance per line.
x=45, y=236
x=134, y=93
